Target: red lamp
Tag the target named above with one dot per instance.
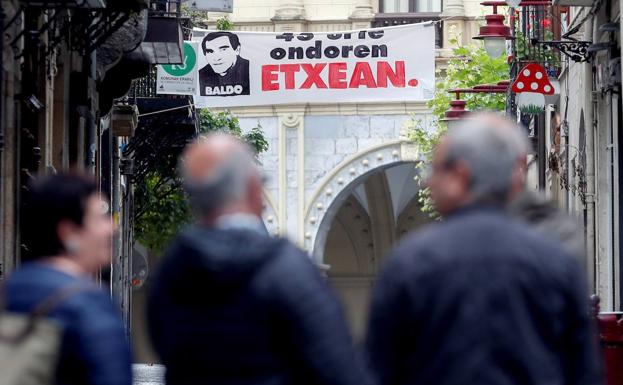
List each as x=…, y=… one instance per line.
x=494, y=33
x=457, y=111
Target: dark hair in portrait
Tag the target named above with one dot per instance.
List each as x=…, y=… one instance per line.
x=49, y=201
x=233, y=39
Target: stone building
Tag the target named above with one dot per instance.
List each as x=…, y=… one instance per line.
x=65, y=65
x=584, y=141
x=341, y=175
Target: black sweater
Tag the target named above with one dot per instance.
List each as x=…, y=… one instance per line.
x=235, y=307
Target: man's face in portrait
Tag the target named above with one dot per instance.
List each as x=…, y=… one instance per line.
x=220, y=54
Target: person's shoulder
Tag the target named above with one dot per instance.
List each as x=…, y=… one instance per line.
x=91, y=309
x=420, y=241
x=288, y=264
x=530, y=236
x=544, y=247
x=80, y=301
x=441, y=242
x=287, y=255
x=86, y=297
x=36, y=279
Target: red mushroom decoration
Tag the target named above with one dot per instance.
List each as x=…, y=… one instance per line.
x=531, y=86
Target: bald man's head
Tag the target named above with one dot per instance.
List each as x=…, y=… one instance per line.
x=220, y=176
x=482, y=160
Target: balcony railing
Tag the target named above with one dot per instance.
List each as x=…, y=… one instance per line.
x=394, y=19
x=168, y=8
x=144, y=87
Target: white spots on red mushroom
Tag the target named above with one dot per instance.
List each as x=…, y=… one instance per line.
x=533, y=78
x=530, y=86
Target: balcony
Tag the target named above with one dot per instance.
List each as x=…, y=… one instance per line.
x=163, y=41
x=395, y=19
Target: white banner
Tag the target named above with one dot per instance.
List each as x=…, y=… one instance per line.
x=394, y=64
x=179, y=79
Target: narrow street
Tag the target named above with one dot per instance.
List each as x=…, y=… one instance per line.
x=341, y=103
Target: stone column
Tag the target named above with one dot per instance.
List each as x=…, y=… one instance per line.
x=362, y=15
x=290, y=10
x=292, y=174
x=455, y=10
x=290, y=16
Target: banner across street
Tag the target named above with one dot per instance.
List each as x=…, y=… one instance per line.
x=258, y=68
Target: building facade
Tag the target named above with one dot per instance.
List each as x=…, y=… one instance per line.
x=329, y=161
x=341, y=176
x=584, y=142
x=65, y=68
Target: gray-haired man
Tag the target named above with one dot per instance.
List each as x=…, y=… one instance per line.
x=231, y=305
x=481, y=298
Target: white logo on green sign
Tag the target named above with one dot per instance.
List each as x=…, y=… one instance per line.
x=190, y=59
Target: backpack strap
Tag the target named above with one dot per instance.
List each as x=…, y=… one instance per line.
x=42, y=309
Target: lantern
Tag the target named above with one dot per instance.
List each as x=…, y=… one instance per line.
x=494, y=33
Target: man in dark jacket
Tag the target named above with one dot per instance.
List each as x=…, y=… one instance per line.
x=481, y=298
x=231, y=305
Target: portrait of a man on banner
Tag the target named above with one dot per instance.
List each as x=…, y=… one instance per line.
x=227, y=73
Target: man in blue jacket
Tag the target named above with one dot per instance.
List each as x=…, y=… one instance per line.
x=230, y=305
x=480, y=298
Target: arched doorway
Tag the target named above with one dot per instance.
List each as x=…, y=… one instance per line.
x=379, y=209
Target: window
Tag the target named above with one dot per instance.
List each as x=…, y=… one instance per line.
x=410, y=6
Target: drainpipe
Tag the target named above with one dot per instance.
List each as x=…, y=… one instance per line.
x=116, y=280
x=91, y=123
x=590, y=162
x=2, y=101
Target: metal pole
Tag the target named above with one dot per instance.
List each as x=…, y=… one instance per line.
x=117, y=265
x=127, y=253
x=121, y=244
x=539, y=122
x=591, y=246
x=91, y=124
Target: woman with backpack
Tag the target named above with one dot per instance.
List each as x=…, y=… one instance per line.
x=57, y=325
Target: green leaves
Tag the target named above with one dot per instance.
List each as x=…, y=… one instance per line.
x=166, y=212
x=470, y=66
x=223, y=121
x=256, y=139
x=161, y=202
x=200, y=19
x=224, y=24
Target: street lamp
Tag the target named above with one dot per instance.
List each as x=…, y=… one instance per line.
x=457, y=112
x=494, y=33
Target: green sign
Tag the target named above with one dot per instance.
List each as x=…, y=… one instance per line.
x=190, y=60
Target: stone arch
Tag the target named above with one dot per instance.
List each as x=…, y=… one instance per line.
x=411, y=218
x=353, y=221
x=341, y=182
